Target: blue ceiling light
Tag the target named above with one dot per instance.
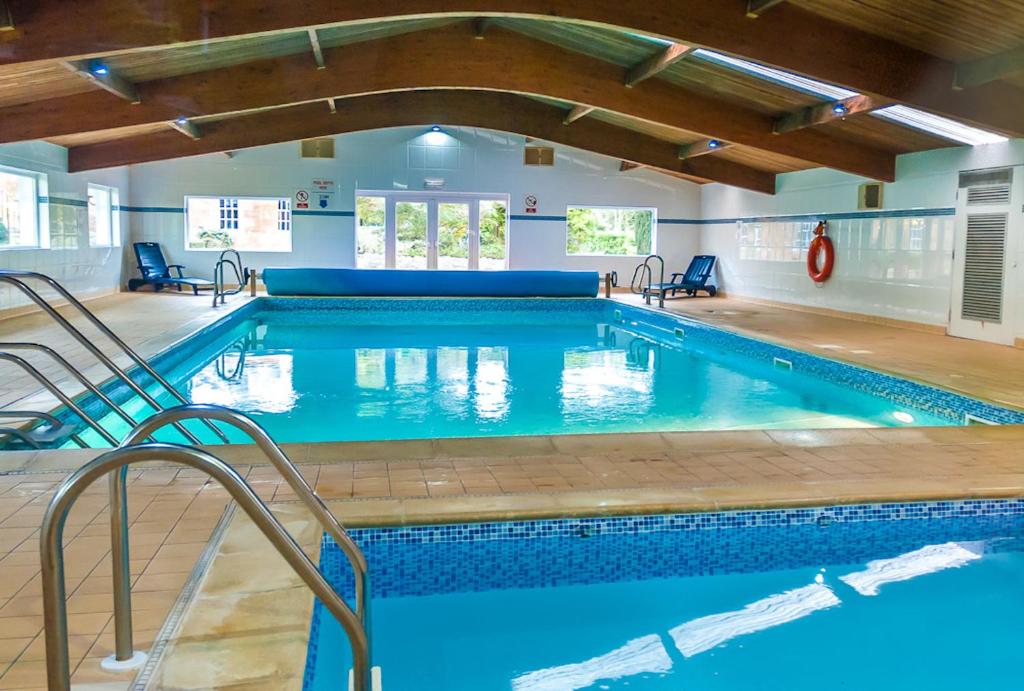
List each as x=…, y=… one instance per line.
x=435, y=128
x=99, y=69
x=714, y=144
x=182, y=121
x=840, y=109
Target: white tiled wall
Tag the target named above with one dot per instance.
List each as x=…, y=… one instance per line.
x=897, y=267
x=468, y=160
x=85, y=271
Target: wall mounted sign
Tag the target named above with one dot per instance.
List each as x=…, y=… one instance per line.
x=301, y=199
x=531, y=204
x=322, y=185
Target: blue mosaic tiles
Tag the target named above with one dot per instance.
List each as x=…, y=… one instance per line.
x=445, y=559
x=945, y=404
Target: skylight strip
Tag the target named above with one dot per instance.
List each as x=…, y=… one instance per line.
x=899, y=114
x=938, y=125
x=809, y=86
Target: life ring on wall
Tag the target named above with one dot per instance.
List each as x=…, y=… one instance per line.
x=820, y=243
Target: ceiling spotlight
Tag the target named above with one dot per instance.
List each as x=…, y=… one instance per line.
x=435, y=128
x=99, y=69
x=714, y=144
x=181, y=121
x=840, y=109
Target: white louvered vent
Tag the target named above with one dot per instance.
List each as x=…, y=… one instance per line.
x=984, y=262
x=990, y=194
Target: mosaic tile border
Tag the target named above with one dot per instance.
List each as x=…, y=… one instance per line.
x=945, y=404
x=730, y=551
x=722, y=520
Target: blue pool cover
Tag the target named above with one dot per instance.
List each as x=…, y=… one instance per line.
x=430, y=283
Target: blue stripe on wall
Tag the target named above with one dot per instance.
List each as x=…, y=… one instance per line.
x=838, y=216
x=318, y=212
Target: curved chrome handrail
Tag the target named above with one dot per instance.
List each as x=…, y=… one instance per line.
x=75, y=372
x=12, y=276
x=59, y=395
x=29, y=414
x=51, y=550
x=277, y=458
x=241, y=274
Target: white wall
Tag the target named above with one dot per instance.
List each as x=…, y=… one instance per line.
x=878, y=270
x=469, y=160
x=85, y=271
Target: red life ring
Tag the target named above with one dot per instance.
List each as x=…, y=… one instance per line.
x=821, y=242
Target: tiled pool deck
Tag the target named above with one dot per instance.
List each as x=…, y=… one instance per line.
x=250, y=630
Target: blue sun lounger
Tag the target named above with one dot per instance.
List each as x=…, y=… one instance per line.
x=156, y=271
x=694, y=280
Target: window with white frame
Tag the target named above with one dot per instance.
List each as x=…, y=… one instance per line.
x=104, y=230
x=246, y=224
x=19, y=209
x=610, y=231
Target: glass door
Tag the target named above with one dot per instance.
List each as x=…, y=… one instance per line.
x=423, y=230
x=453, y=246
x=411, y=238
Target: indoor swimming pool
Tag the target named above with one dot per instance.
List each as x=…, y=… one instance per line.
x=896, y=596
x=358, y=369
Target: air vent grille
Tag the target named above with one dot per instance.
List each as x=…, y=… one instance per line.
x=992, y=194
x=984, y=263
x=318, y=148
x=992, y=176
x=870, y=196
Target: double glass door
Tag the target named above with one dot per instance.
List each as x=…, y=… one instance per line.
x=431, y=231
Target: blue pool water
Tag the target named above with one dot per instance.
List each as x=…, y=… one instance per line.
x=788, y=603
x=332, y=370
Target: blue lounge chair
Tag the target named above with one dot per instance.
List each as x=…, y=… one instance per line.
x=155, y=270
x=694, y=280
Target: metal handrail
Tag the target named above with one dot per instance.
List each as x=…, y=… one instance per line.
x=12, y=276
x=241, y=273
x=51, y=550
x=21, y=434
x=76, y=373
x=649, y=272
x=60, y=395
x=124, y=649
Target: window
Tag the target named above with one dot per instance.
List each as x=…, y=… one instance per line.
x=104, y=228
x=370, y=232
x=606, y=231
x=246, y=224
x=19, y=209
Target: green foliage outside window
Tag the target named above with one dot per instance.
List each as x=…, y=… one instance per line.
x=609, y=232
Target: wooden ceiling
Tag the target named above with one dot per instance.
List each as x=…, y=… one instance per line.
x=247, y=76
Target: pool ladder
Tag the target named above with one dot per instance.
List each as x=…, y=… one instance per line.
x=115, y=463
x=242, y=275
x=644, y=270
x=14, y=278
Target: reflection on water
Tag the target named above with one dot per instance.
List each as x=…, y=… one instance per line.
x=928, y=559
x=339, y=382
x=644, y=655
x=705, y=633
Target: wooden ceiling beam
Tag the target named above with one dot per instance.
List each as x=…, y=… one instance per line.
x=626, y=166
x=489, y=110
x=506, y=61
x=656, y=63
x=827, y=112
x=576, y=113
x=104, y=77
x=186, y=127
x=6, y=18
x=989, y=69
x=318, y=53
x=821, y=48
x=755, y=8
x=702, y=148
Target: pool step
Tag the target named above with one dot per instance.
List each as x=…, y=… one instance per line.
x=375, y=682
